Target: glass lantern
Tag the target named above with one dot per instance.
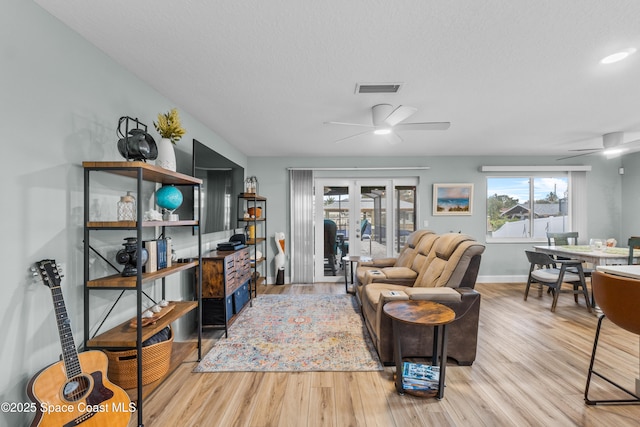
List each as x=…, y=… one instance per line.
x=127, y=208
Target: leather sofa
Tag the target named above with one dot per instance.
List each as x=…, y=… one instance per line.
x=445, y=268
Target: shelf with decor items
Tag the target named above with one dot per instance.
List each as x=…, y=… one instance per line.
x=130, y=335
x=252, y=209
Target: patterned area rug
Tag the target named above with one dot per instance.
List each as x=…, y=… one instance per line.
x=288, y=333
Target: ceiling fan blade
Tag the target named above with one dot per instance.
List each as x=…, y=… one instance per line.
x=348, y=124
x=424, y=126
x=591, y=151
x=401, y=113
x=351, y=136
x=635, y=144
x=393, y=138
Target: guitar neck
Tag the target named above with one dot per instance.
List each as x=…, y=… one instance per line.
x=69, y=351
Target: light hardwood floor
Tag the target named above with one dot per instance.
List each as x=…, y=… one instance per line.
x=530, y=370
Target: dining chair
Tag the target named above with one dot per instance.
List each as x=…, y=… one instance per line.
x=563, y=239
x=634, y=243
x=544, y=271
x=618, y=299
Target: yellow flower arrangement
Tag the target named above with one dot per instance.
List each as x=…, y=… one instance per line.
x=168, y=126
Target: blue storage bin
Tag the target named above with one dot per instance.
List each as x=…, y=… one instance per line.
x=229, y=304
x=240, y=297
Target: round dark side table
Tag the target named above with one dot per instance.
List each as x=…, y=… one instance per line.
x=427, y=314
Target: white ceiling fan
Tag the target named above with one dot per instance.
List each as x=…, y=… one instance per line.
x=386, y=120
x=613, y=145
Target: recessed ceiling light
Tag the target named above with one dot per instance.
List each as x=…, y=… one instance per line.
x=618, y=56
x=382, y=131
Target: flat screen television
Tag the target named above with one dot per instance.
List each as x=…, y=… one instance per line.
x=222, y=182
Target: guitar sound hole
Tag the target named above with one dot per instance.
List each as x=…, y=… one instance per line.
x=76, y=388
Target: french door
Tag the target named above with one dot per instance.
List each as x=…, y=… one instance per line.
x=366, y=217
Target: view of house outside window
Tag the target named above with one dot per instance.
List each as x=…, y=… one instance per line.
x=527, y=207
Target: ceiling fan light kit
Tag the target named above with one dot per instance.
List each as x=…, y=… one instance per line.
x=618, y=56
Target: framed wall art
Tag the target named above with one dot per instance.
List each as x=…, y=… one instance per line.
x=452, y=199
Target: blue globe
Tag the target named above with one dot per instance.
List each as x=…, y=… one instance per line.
x=169, y=197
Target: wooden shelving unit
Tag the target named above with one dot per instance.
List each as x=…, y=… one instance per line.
x=116, y=281
x=132, y=225
x=123, y=335
x=259, y=241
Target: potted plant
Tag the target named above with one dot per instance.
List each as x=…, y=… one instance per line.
x=171, y=130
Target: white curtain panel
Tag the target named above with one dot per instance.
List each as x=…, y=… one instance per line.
x=301, y=197
x=578, y=194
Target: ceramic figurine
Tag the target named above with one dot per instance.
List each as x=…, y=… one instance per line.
x=279, y=258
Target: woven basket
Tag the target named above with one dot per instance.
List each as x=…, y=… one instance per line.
x=123, y=365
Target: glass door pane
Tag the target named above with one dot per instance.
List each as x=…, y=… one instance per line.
x=405, y=214
x=335, y=223
x=373, y=221
x=365, y=217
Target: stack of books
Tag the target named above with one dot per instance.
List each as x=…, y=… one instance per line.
x=159, y=251
x=416, y=376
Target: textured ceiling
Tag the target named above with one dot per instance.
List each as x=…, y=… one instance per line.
x=514, y=77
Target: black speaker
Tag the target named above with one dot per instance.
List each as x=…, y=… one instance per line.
x=238, y=238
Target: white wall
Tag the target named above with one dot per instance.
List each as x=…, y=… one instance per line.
x=60, y=102
x=630, y=223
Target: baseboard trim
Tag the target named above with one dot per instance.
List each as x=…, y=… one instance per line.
x=502, y=279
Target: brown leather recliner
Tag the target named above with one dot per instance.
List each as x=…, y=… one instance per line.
x=448, y=276
x=404, y=275
x=404, y=260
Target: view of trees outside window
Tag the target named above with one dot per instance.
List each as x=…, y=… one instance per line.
x=511, y=201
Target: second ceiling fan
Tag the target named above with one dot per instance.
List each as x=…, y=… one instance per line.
x=386, y=120
x=613, y=145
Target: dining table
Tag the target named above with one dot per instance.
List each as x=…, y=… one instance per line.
x=603, y=256
x=630, y=271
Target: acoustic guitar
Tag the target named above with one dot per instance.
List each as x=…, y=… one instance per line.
x=75, y=391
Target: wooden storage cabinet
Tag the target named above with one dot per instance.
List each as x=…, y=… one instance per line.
x=225, y=285
x=122, y=335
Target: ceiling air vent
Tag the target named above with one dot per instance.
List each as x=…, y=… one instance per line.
x=378, y=87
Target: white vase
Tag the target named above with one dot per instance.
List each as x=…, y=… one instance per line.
x=166, y=155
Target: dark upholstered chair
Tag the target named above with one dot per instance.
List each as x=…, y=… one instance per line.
x=330, y=244
x=634, y=243
x=618, y=298
x=543, y=271
x=565, y=239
